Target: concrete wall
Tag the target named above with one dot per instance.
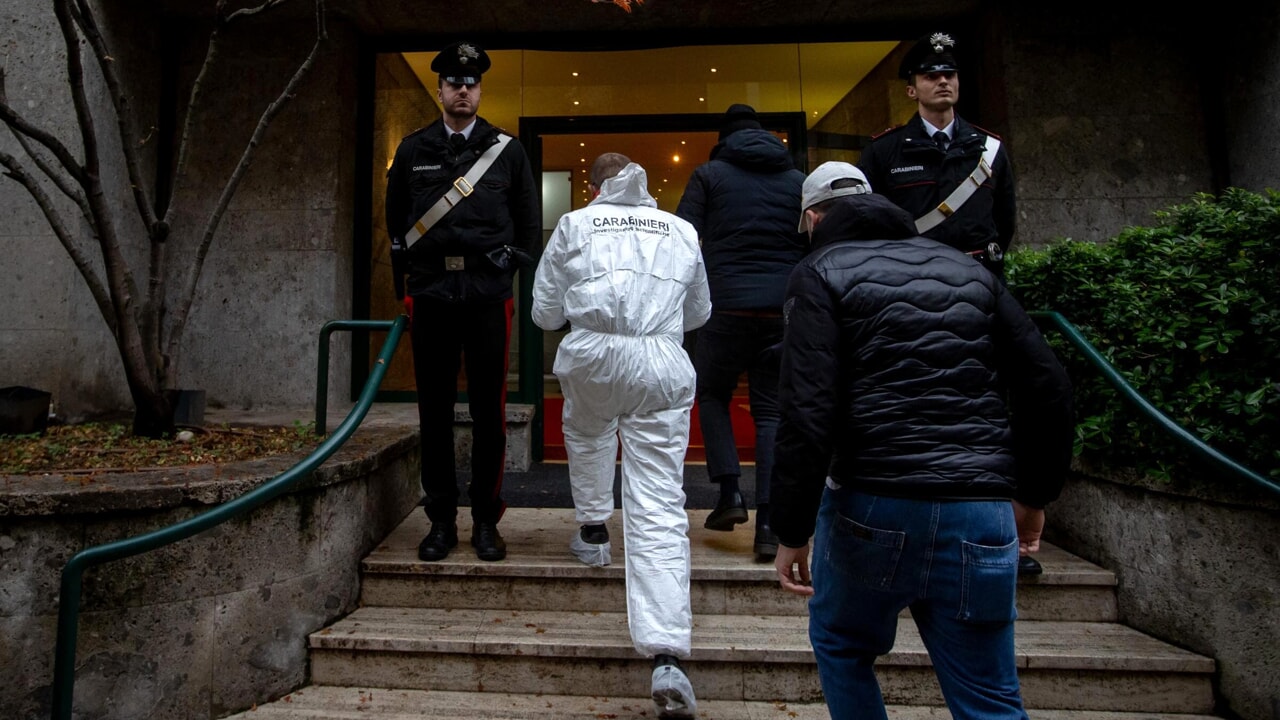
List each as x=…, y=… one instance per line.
x=1105, y=121
x=210, y=625
x=1196, y=566
x=1250, y=81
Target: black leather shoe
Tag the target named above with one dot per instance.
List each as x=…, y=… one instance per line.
x=766, y=545
x=442, y=538
x=488, y=542
x=730, y=511
x=1028, y=565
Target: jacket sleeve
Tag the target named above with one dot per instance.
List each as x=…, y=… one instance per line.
x=1004, y=209
x=871, y=165
x=808, y=403
x=693, y=204
x=526, y=214
x=550, y=283
x=1040, y=404
x=697, y=299
x=397, y=209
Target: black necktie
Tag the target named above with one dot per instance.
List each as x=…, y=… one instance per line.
x=940, y=138
x=456, y=141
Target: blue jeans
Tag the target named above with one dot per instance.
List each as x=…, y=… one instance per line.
x=727, y=346
x=955, y=564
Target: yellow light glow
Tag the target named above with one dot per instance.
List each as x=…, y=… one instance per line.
x=675, y=158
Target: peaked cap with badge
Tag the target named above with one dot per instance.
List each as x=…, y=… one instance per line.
x=931, y=53
x=461, y=63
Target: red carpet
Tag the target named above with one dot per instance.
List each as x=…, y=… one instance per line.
x=744, y=432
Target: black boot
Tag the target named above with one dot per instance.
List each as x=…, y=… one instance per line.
x=442, y=538
x=488, y=542
x=766, y=543
x=1028, y=565
x=731, y=509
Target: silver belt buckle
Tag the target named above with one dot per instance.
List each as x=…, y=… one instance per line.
x=454, y=262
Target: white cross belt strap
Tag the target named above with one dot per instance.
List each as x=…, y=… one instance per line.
x=980, y=174
x=462, y=187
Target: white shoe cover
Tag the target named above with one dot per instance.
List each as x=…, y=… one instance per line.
x=593, y=555
x=673, y=693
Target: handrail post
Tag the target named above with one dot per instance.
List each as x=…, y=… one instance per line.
x=322, y=362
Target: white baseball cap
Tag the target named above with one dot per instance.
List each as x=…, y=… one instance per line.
x=817, y=187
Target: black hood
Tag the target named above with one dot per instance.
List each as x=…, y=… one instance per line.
x=863, y=217
x=755, y=150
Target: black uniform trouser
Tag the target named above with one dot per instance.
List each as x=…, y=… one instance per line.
x=443, y=335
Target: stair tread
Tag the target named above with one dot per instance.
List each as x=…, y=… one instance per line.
x=759, y=638
x=350, y=703
x=538, y=539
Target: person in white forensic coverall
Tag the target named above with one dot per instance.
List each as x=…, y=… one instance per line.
x=629, y=281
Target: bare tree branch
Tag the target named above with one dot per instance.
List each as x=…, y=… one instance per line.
x=58, y=179
x=129, y=141
x=245, y=12
x=96, y=288
x=19, y=125
x=118, y=278
x=211, y=225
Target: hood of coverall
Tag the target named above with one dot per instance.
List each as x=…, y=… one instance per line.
x=629, y=187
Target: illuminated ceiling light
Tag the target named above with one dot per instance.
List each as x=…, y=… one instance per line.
x=675, y=158
x=582, y=144
x=575, y=102
x=713, y=69
x=702, y=99
x=575, y=73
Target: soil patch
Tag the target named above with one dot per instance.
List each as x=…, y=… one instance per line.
x=107, y=446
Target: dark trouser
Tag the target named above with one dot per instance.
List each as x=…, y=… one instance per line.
x=443, y=334
x=726, y=346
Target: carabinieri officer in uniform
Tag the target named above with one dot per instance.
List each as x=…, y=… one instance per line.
x=925, y=167
x=463, y=216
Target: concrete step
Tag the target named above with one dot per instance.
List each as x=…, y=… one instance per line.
x=539, y=573
x=353, y=703
x=1062, y=665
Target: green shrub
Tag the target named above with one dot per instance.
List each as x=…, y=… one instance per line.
x=1188, y=310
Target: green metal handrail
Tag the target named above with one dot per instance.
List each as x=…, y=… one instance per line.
x=1127, y=391
x=73, y=572
x=322, y=366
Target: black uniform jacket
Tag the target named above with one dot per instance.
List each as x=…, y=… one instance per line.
x=906, y=166
x=501, y=211
x=744, y=203
x=909, y=371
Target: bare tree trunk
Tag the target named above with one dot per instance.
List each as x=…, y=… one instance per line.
x=137, y=320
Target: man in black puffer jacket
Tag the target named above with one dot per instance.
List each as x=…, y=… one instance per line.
x=743, y=204
x=925, y=424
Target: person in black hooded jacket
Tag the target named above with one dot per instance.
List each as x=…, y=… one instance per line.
x=925, y=425
x=743, y=204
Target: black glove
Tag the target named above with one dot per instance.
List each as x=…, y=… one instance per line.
x=508, y=257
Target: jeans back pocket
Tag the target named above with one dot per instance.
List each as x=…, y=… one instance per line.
x=989, y=582
x=866, y=554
